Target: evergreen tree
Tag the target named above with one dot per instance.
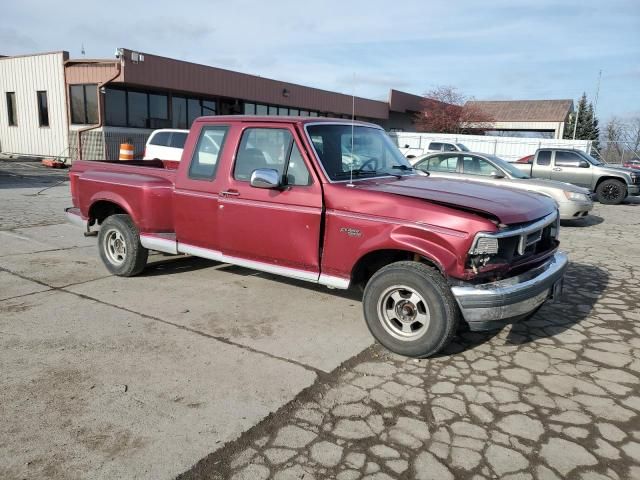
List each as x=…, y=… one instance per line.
x=587, y=123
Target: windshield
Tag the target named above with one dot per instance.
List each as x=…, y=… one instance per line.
x=589, y=158
x=369, y=152
x=462, y=147
x=507, y=167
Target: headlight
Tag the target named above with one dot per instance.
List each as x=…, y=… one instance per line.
x=485, y=246
x=576, y=197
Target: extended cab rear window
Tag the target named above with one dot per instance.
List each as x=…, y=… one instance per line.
x=160, y=138
x=204, y=162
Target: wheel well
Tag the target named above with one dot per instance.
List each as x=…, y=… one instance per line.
x=602, y=179
x=102, y=209
x=370, y=263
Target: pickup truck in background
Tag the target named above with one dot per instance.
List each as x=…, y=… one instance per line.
x=610, y=183
x=277, y=196
x=439, y=146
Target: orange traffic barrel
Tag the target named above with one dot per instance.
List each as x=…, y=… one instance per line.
x=126, y=151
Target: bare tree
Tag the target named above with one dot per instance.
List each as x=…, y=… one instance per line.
x=445, y=110
x=613, y=133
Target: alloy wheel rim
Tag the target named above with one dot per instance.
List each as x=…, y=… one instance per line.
x=611, y=192
x=403, y=313
x=115, y=247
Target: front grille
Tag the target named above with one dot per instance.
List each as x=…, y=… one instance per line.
x=517, y=242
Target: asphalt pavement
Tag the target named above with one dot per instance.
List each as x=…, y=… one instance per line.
x=202, y=370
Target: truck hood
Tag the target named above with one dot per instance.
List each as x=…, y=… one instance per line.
x=614, y=169
x=544, y=183
x=506, y=205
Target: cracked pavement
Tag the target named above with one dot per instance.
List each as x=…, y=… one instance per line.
x=555, y=397
x=110, y=378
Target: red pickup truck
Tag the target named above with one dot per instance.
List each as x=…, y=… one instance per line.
x=332, y=202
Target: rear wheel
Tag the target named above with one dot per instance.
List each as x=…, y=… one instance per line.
x=120, y=248
x=611, y=192
x=409, y=308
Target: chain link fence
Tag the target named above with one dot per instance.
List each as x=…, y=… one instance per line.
x=97, y=145
x=618, y=152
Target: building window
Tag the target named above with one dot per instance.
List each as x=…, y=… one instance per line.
x=43, y=109
x=138, y=113
x=11, y=109
x=158, y=110
x=262, y=110
x=249, y=109
x=208, y=107
x=115, y=105
x=84, y=104
x=178, y=112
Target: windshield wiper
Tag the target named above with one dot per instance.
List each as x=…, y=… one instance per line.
x=356, y=171
x=402, y=167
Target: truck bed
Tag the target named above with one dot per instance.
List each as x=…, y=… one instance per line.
x=134, y=185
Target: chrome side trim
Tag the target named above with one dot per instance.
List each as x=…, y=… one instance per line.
x=190, y=193
x=270, y=205
x=159, y=244
x=252, y=264
x=334, y=282
x=421, y=225
x=74, y=217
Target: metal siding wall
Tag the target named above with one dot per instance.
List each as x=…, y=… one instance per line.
x=25, y=76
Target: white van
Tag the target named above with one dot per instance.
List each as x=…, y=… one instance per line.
x=165, y=144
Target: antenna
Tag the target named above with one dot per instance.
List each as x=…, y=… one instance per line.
x=595, y=100
x=353, y=117
x=82, y=49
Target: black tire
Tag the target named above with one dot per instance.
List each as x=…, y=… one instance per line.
x=120, y=248
x=611, y=192
x=436, y=306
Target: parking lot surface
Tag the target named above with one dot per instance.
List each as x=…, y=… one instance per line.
x=201, y=370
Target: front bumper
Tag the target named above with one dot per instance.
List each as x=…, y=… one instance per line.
x=633, y=190
x=491, y=305
x=574, y=210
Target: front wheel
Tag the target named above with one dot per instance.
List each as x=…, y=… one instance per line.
x=611, y=192
x=120, y=248
x=409, y=309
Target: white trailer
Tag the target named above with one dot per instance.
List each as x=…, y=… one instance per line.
x=509, y=148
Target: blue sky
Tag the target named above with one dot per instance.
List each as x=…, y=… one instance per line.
x=489, y=50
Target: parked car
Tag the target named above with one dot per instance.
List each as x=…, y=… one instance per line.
x=612, y=184
x=574, y=202
x=430, y=252
x=165, y=144
x=412, y=153
x=634, y=163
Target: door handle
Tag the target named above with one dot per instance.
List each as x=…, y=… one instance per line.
x=557, y=169
x=230, y=193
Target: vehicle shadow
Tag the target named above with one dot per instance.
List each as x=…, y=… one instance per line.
x=160, y=264
x=583, y=286
x=583, y=222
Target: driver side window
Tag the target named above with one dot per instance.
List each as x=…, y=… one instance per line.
x=272, y=148
x=567, y=159
x=443, y=163
x=477, y=166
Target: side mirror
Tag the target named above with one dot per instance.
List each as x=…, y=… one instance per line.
x=583, y=164
x=496, y=174
x=265, y=178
